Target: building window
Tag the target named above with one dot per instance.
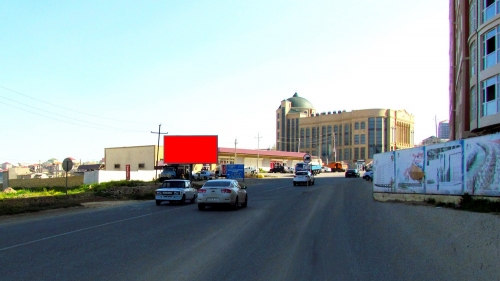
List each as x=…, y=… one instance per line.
x=142, y=165
x=308, y=138
x=363, y=141
x=356, y=153
x=340, y=155
x=301, y=140
x=347, y=153
x=490, y=9
x=473, y=16
x=473, y=103
x=117, y=166
x=473, y=58
x=362, y=125
x=314, y=139
x=346, y=134
x=356, y=140
x=356, y=126
x=277, y=115
x=362, y=150
x=489, y=96
x=490, y=48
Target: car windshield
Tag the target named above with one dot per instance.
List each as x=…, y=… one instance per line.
x=217, y=183
x=177, y=184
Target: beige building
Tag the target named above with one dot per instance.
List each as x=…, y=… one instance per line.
x=144, y=158
x=352, y=137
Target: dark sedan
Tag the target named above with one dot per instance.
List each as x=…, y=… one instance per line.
x=352, y=173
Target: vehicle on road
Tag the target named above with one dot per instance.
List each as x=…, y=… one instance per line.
x=220, y=192
x=303, y=178
x=326, y=169
x=352, y=173
x=175, y=191
x=289, y=170
x=368, y=175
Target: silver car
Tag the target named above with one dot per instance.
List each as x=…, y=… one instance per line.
x=175, y=191
x=303, y=177
x=222, y=192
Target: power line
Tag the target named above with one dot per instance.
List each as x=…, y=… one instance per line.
x=72, y=110
x=108, y=128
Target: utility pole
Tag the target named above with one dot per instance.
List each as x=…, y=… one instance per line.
x=157, y=150
x=235, y=143
x=258, y=143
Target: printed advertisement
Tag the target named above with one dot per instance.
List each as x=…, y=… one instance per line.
x=482, y=165
x=383, y=172
x=410, y=170
x=443, y=168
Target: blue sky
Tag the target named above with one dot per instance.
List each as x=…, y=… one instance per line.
x=79, y=76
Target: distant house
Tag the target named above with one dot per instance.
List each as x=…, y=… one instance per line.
x=88, y=168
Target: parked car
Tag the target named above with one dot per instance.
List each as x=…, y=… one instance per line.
x=352, y=173
x=289, y=170
x=175, y=191
x=168, y=172
x=368, y=175
x=205, y=175
x=303, y=177
x=278, y=169
x=222, y=192
x=250, y=170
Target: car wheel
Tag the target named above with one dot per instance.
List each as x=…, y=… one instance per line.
x=193, y=200
x=244, y=205
x=294, y=184
x=158, y=202
x=201, y=207
x=183, y=200
x=236, y=204
x=313, y=182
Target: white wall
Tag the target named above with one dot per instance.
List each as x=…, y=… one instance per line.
x=106, y=176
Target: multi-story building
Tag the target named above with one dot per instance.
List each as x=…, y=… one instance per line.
x=339, y=135
x=444, y=130
x=474, y=68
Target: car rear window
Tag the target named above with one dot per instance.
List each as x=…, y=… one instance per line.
x=300, y=173
x=216, y=183
x=173, y=184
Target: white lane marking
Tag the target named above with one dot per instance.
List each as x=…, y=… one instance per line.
x=86, y=228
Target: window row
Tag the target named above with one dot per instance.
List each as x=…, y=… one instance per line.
x=487, y=8
x=489, y=100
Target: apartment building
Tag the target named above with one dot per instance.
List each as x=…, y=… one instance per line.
x=474, y=68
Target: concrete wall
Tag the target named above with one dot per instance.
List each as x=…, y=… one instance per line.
x=106, y=176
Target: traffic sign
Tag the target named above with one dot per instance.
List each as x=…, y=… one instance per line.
x=67, y=164
x=307, y=158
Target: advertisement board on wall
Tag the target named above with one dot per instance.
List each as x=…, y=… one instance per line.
x=383, y=172
x=410, y=170
x=443, y=168
x=482, y=165
x=190, y=149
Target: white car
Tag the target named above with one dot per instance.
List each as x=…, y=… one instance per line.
x=205, y=175
x=222, y=192
x=175, y=191
x=303, y=177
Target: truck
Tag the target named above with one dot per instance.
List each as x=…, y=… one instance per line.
x=338, y=166
x=315, y=167
x=221, y=171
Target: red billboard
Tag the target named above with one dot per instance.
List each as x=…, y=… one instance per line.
x=190, y=149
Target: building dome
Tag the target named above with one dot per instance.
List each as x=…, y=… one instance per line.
x=300, y=102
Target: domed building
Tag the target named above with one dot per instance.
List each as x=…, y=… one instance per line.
x=353, y=137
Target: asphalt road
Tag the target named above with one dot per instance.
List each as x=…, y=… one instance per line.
x=333, y=230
